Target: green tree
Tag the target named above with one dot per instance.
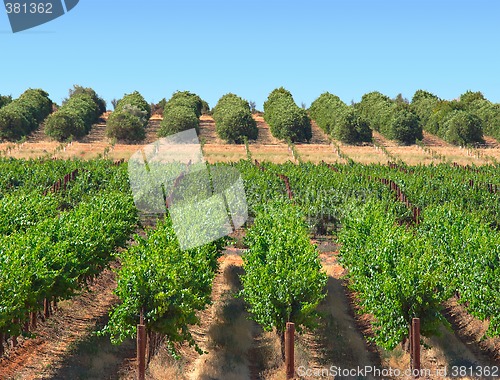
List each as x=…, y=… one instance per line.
x=101, y=104
x=130, y=118
x=401, y=99
x=342, y=122
x=351, y=128
x=489, y=113
x=469, y=97
x=64, y=124
x=127, y=124
x=181, y=112
x=405, y=125
x=4, y=100
x=205, y=108
x=326, y=110
x=233, y=119
x=178, y=119
x=134, y=99
x=463, y=128
x=23, y=115
x=186, y=99
x=376, y=109
x=286, y=120
x=423, y=104
x=75, y=118
x=421, y=95
x=440, y=112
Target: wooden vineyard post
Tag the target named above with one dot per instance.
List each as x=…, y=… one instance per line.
x=289, y=350
x=415, y=346
x=33, y=320
x=14, y=337
x=46, y=308
x=141, y=349
x=27, y=322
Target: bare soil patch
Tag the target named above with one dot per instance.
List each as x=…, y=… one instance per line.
x=207, y=131
x=471, y=332
x=265, y=137
x=318, y=135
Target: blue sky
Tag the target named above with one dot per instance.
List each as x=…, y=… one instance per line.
x=345, y=47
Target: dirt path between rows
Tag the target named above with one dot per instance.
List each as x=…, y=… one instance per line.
x=65, y=346
x=344, y=340
x=236, y=348
x=225, y=333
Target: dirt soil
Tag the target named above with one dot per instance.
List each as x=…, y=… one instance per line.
x=65, y=346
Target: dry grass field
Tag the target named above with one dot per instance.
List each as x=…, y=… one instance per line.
x=265, y=148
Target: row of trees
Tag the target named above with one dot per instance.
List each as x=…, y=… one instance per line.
x=286, y=120
x=181, y=112
x=233, y=119
x=393, y=118
x=20, y=117
x=337, y=119
x=129, y=120
x=76, y=116
x=461, y=121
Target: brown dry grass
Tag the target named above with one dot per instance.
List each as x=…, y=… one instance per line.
x=317, y=153
x=265, y=148
x=412, y=155
x=272, y=153
x=363, y=154
x=460, y=155
x=224, y=152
